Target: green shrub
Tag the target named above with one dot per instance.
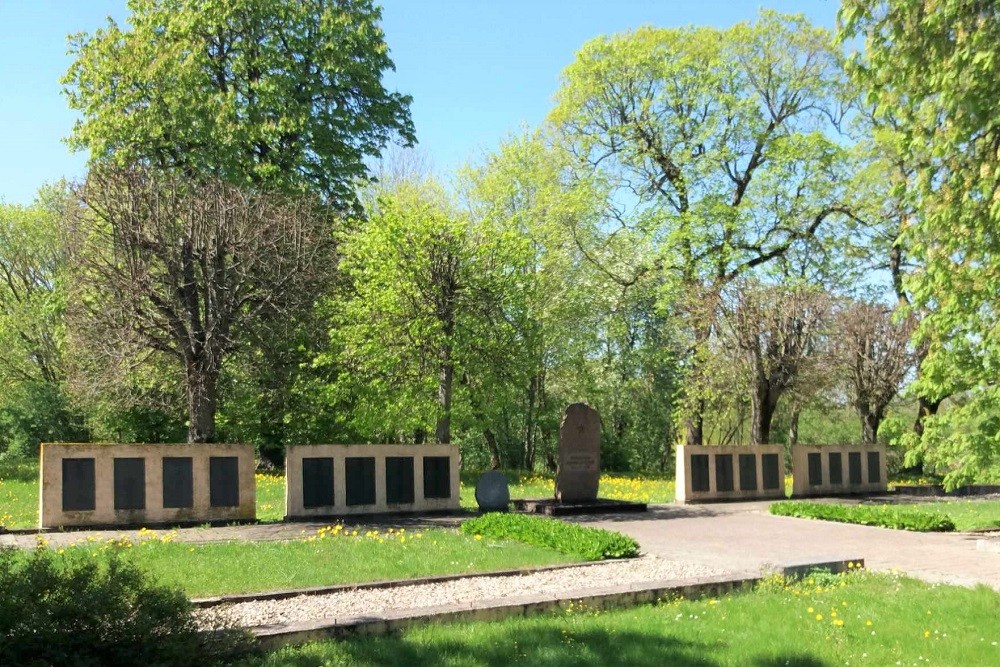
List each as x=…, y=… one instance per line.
x=70, y=610
x=885, y=516
x=569, y=538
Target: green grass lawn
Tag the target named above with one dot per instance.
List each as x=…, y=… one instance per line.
x=966, y=514
x=330, y=556
x=857, y=619
x=618, y=486
x=18, y=494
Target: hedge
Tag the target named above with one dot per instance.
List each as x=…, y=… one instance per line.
x=885, y=516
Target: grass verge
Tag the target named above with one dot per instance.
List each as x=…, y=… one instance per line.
x=855, y=619
x=886, y=516
x=332, y=555
x=568, y=538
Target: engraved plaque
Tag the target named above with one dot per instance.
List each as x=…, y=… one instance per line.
x=437, y=477
x=360, y=480
x=224, y=481
x=130, y=483
x=77, y=485
x=699, y=472
x=874, y=469
x=723, y=472
x=317, y=482
x=771, y=471
x=579, y=469
x=178, y=482
x=854, y=467
x=399, y=479
x=815, y=469
x=836, y=468
x=748, y=472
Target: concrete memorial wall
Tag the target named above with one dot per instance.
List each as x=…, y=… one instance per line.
x=338, y=480
x=145, y=485
x=826, y=470
x=707, y=473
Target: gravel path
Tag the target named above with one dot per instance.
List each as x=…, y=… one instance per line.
x=373, y=601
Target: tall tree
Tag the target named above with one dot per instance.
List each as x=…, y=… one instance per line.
x=873, y=349
x=425, y=312
x=285, y=94
x=772, y=333
x=184, y=268
x=719, y=146
x=932, y=66
x=34, y=404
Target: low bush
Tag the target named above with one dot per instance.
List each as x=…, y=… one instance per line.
x=885, y=516
x=569, y=538
x=67, y=609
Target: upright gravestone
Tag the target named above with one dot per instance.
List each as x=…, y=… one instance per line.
x=579, y=455
x=493, y=492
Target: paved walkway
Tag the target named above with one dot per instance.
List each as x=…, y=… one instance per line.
x=736, y=537
x=743, y=536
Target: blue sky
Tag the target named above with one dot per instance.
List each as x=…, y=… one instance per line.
x=478, y=70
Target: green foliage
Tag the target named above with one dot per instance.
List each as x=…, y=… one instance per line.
x=886, y=516
x=930, y=72
x=71, y=610
x=569, y=538
x=283, y=93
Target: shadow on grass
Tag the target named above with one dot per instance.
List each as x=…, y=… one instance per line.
x=544, y=647
x=18, y=470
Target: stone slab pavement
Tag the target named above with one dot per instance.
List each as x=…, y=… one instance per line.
x=744, y=536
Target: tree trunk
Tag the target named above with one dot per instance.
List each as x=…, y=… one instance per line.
x=493, y=448
x=695, y=425
x=530, y=422
x=925, y=408
x=761, y=413
x=869, y=427
x=793, y=426
x=202, y=390
x=447, y=378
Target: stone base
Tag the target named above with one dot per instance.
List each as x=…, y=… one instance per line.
x=552, y=507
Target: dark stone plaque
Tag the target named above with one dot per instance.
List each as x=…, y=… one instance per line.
x=224, y=481
x=748, y=472
x=399, y=479
x=130, y=483
x=771, y=474
x=317, y=482
x=699, y=472
x=437, y=477
x=579, y=471
x=493, y=492
x=874, y=469
x=815, y=470
x=77, y=485
x=360, y=480
x=854, y=467
x=178, y=482
x=723, y=472
x=836, y=468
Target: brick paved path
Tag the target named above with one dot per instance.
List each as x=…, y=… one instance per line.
x=743, y=536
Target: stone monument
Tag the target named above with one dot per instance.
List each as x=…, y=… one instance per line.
x=579, y=455
x=493, y=492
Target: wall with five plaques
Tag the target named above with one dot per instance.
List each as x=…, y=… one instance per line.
x=130, y=485
x=707, y=473
x=827, y=470
x=338, y=480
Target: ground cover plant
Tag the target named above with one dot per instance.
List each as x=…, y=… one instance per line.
x=886, y=516
x=568, y=538
x=67, y=609
x=824, y=620
x=334, y=554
